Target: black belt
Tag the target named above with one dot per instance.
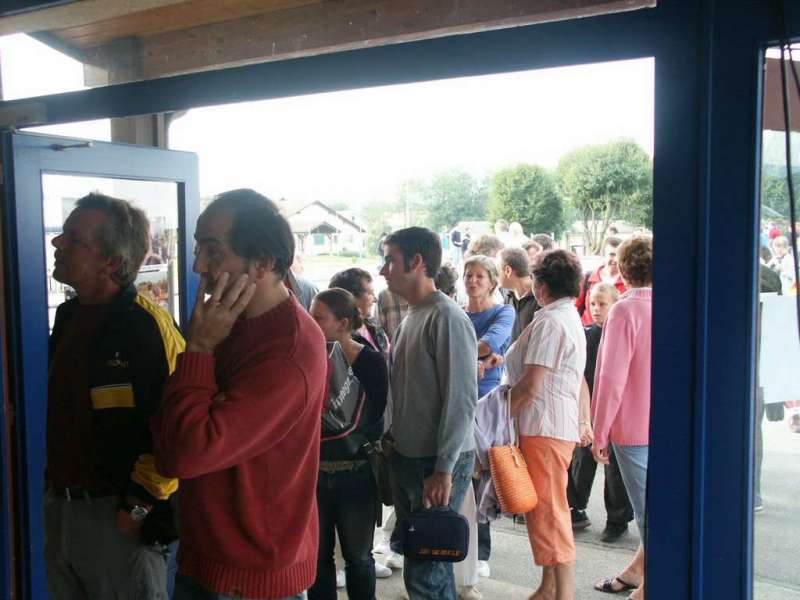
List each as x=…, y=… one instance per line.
x=81, y=493
x=337, y=466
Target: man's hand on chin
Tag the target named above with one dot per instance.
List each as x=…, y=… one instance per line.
x=213, y=319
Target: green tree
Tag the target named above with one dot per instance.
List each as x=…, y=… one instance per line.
x=604, y=182
x=775, y=193
x=412, y=203
x=376, y=217
x=527, y=194
x=454, y=196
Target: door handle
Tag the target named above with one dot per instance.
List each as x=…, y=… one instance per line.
x=62, y=147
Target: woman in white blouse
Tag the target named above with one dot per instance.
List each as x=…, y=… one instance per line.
x=545, y=368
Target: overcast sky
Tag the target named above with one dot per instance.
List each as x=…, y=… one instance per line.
x=360, y=145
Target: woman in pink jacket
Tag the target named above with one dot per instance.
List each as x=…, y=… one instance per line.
x=621, y=401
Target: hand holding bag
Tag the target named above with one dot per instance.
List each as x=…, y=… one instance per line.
x=512, y=482
x=437, y=534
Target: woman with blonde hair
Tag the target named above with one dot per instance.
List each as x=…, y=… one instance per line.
x=493, y=324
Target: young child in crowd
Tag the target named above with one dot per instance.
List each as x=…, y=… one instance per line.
x=582, y=471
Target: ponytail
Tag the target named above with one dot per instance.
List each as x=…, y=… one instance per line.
x=343, y=306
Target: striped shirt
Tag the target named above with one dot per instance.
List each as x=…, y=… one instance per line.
x=554, y=339
x=391, y=310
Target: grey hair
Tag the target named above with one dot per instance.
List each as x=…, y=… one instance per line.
x=125, y=234
x=487, y=264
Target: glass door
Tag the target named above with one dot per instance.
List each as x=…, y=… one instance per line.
x=44, y=176
x=776, y=464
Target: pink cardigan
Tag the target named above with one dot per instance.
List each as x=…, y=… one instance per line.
x=621, y=399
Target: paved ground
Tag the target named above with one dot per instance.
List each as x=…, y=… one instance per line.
x=777, y=539
x=777, y=529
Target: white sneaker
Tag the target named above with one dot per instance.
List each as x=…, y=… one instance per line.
x=340, y=580
x=483, y=568
x=381, y=571
x=382, y=548
x=469, y=592
x=394, y=560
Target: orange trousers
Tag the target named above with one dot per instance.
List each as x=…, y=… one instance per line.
x=549, y=524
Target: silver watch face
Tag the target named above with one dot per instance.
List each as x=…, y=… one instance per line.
x=139, y=513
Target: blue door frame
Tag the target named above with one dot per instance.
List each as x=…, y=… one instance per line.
x=26, y=158
x=708, y=57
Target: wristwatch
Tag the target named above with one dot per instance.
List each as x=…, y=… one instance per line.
x=138, y=513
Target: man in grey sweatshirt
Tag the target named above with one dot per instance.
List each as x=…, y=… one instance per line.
x=434, y=393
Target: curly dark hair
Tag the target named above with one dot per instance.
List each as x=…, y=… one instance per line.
x=561, y=271
x=351, y=280
x=342, y=304
x=635, y=260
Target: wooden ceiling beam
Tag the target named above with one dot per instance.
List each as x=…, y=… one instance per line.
x=335, y=25
x=75, y=14
x=186, y=14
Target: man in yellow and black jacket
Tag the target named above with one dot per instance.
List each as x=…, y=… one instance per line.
x=108, y=515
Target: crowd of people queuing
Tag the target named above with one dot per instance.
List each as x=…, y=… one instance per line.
x=257, y=428
x=775, y=252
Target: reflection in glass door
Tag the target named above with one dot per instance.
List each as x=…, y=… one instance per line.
x=158, y=276
x=44, y=177
x=776, y=472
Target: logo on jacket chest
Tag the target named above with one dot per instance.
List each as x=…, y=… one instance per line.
x=118, y=362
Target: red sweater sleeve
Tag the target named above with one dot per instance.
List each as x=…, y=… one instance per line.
x=200, y=430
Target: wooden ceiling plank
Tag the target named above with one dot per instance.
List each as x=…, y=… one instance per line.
x=329, y=26
x=75, y=14
x=185, y=15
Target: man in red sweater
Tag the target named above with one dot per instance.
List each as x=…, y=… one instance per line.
x=240, y=421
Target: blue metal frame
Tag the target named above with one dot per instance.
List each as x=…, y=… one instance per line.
x=707, y=122
x=6, y=511
x=26, y=158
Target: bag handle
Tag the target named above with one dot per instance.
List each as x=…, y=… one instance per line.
x=513, y=434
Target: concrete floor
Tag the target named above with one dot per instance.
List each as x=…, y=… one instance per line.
x=777, y=539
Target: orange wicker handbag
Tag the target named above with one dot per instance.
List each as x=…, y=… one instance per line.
x=512, y=482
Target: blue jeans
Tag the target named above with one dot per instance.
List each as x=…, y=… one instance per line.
x=347, y=503
x=633, y=468
x=187, y=588
x=424, y=579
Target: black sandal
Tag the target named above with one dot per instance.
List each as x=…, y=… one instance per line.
x=607, y=586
